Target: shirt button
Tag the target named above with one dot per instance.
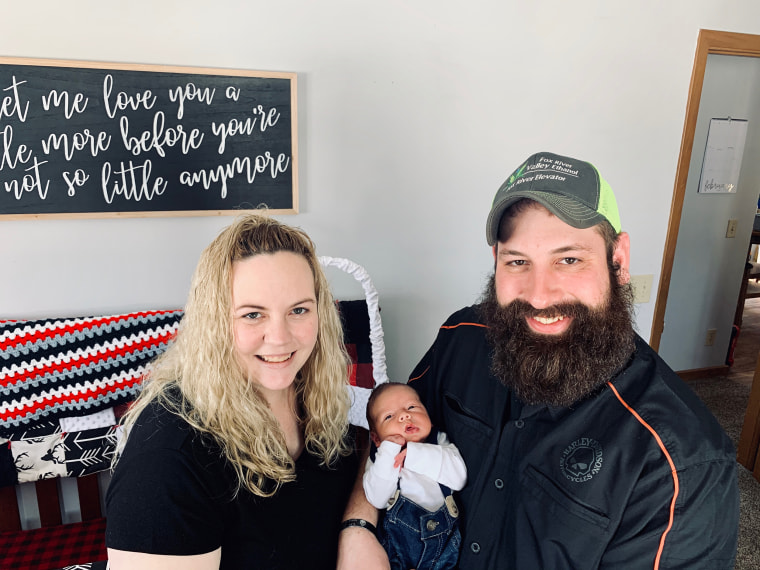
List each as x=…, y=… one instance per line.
x=499, y=484
x=431, y=525
x=519, y=424
x=475, y=547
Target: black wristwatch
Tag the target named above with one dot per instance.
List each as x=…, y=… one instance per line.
x=359, y=522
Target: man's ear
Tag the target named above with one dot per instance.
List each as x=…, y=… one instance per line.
x=621, y=257
x=494, y=250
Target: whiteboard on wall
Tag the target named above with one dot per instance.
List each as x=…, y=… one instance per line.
x=722, y=161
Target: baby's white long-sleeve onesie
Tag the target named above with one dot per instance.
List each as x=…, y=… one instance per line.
x=426, y=465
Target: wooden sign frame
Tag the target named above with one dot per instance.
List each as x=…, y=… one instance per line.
x=83, y=139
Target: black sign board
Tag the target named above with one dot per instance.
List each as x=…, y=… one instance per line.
x=87, y=139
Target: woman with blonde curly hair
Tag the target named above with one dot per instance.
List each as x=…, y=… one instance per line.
x=238, y=452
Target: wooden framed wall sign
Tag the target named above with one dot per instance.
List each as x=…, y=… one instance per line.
x=88, y=139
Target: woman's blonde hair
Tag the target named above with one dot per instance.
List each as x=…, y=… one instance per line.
x=215, y=396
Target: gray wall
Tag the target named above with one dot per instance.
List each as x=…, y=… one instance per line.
x=411, y=114
x=708, y=267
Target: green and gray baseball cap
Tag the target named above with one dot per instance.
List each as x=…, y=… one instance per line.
x=571, y=189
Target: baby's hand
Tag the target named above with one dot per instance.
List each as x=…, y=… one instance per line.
x=399, y=461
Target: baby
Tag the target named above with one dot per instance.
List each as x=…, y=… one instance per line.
x=412, y=474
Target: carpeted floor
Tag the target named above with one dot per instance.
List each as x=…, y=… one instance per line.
x=727, y=398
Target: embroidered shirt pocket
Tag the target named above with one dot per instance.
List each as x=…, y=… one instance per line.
x=549, y=500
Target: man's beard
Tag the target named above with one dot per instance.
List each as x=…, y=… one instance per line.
x=563, y=369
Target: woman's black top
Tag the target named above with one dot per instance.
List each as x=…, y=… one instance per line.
x=172, y=493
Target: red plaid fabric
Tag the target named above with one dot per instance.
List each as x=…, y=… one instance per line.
x=54, y=547
x=359, y=373
x=355, y=319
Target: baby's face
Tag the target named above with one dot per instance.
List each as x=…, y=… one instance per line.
x=399, y=412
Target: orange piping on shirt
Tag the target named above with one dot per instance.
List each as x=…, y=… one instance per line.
x=463, y=324
x=672, y=470
x=420, y=376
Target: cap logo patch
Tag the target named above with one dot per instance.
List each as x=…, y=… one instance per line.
x=581, y=460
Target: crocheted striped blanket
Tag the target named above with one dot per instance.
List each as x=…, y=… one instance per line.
x=73, y=367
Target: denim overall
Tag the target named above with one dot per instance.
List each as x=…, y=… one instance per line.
x=416, y=538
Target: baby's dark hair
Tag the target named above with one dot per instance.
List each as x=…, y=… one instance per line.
x=379, y=389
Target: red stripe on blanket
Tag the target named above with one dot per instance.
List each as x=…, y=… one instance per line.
x=77, y=361
x=84, y=395
x=33, y=336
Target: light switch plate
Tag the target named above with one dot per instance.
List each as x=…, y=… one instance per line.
x=642, y=288
x=731, y=229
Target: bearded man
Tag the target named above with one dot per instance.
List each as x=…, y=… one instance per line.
x=583, y=448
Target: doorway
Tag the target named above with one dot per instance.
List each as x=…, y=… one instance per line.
x=708, y=264
x=710, y=43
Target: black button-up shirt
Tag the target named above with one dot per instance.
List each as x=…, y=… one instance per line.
x=638, y=475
